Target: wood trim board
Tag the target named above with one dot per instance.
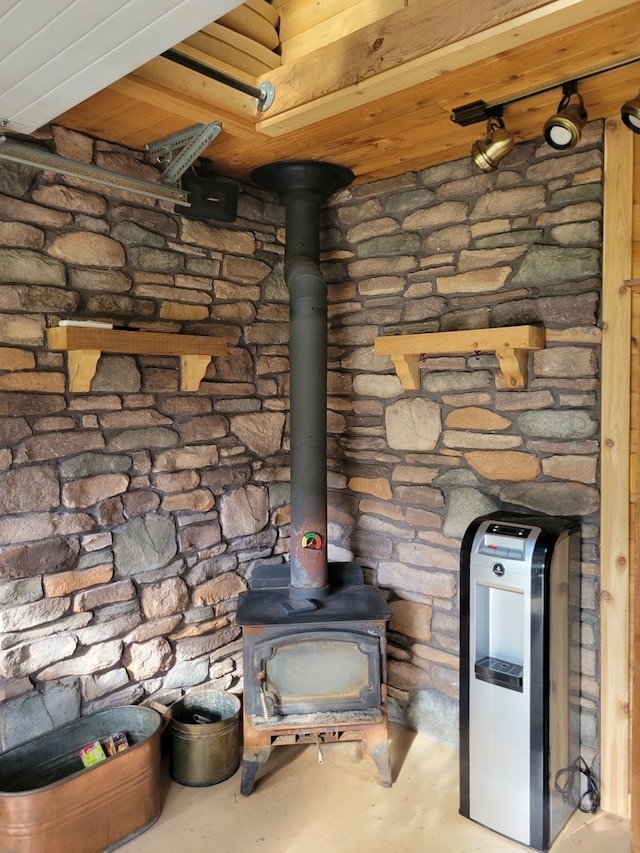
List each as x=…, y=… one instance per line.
x=614, y=542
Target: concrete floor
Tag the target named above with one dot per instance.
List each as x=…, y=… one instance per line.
x=299, y=805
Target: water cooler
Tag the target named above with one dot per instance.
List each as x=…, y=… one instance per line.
x=519, y=674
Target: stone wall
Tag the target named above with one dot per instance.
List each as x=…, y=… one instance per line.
x=131, y=516
x=451, y=249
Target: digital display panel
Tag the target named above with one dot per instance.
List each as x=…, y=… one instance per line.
x=507, y=530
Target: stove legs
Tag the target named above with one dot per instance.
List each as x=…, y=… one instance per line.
x=260, y=745
x=379, y=751
x=252, y=761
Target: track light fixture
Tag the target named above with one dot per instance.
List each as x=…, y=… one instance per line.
x=630, y=112
x=563, y=130
x=488, y=152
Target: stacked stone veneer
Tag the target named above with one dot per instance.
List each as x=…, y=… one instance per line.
x=131, y=516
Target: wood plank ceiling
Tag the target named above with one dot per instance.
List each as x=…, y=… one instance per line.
x=371, y=84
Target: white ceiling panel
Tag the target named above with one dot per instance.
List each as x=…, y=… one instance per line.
x=56, y=53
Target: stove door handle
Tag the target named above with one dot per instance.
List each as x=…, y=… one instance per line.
x=265, y=696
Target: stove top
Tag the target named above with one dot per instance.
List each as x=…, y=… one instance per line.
x=344, y=604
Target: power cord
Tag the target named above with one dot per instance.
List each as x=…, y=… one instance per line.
x=589, y=800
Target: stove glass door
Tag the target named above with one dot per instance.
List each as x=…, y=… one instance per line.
x=319, y=671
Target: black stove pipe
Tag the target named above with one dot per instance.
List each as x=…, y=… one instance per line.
x=303, y=186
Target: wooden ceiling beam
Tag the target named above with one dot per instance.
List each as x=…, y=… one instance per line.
x=307, y=26
x=407, y=129
x=197, y=98
x=419, y=43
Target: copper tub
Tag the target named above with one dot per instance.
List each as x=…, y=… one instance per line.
x=50, y=803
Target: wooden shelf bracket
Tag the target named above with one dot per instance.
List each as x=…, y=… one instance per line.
x=84, y=345
x=511, y=345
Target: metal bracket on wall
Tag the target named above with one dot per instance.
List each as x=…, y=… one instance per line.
x=193, y=140
x=41, y=158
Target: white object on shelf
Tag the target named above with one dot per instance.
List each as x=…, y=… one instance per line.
x=95, y=324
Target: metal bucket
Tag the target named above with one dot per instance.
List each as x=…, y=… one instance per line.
x=205, y=738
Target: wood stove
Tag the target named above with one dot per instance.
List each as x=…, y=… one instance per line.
x=314, y=676
x=314, y=635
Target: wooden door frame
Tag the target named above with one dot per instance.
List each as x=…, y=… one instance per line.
x=634, y=551
x=615, y=614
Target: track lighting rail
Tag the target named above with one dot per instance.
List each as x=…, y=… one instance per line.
x=477, y=111
x=474, y=112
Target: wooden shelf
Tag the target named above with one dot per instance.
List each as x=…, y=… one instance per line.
x=510, y=344
x=85, y=345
